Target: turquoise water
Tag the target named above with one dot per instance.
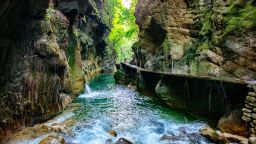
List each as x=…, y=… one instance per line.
x=138, y=118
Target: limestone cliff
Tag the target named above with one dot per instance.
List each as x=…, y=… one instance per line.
x=198, y=37
x=48, y=49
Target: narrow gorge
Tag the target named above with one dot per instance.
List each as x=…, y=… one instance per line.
x=127, y=71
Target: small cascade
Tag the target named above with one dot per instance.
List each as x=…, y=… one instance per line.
x=87, y=89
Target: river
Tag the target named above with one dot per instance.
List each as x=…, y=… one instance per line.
x=137, y=118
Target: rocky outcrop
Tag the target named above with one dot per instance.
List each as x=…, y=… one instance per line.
x=219, y=137
x=48, y=49
x=197, y=37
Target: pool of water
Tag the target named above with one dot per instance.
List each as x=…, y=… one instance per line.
x=140, y=119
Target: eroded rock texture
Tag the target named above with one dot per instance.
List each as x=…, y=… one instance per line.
x=48, y=48
x=198, y=37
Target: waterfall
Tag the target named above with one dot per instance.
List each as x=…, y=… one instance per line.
x=87, y=89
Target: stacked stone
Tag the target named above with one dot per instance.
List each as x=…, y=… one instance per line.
x=249, y=112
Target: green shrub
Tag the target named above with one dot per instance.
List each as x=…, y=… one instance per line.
x=240, y=18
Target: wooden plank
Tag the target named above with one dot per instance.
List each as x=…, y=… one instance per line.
x=229, y=80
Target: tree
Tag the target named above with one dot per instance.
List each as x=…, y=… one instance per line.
x=124, y=32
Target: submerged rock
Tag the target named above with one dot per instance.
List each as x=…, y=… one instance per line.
x=52, y=140
x=109, y=141
x=113, y=133
x=123, y=141
x=169, y=137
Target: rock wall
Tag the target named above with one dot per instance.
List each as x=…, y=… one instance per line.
x=198, y=37
x=249, y=111
x=48, y=49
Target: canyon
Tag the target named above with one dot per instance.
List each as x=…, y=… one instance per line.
x=198, y=56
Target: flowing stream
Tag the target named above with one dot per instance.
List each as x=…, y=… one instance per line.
x=138, y=118
x=108, y=106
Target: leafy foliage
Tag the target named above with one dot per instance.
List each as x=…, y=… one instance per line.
x=240, y=19
x=190, y=54
x=207, y=25
x=124, y=32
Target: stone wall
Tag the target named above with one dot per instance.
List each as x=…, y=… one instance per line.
x=249, y=111
x=48, y=49
x=197, y=37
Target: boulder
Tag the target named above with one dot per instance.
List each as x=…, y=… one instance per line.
x=123, y=141
x=213, y=135
x=164, y=91
x=232, y=123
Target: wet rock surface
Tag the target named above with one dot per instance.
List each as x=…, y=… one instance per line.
x=48, y=50
x=123, y=141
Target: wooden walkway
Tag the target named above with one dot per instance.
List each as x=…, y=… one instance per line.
x=228, y=80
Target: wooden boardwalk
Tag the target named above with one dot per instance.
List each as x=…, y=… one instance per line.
x=228, y=80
